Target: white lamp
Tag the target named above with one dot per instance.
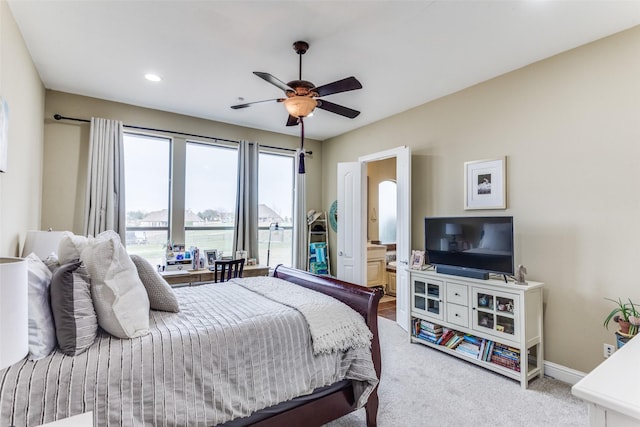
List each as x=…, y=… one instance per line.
x=453, y=230
x=14, y=320
x=42, y=243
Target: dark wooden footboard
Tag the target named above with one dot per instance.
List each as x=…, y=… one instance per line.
x=363, y=300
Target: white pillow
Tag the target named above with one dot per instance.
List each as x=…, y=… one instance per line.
x=42, y=331
x=70, y=247
x=119, y=297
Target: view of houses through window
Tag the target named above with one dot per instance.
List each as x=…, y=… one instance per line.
x=211, y=178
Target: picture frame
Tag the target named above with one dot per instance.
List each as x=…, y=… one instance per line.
x=417, y=259
x=485, y=184
x=210, y=257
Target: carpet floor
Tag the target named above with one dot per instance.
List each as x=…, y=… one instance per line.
x=421, y=386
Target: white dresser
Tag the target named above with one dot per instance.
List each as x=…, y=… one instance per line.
x=612, y=389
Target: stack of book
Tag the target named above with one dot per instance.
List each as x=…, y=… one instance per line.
x=506, y=356
x=426, y=330
x=470, y=346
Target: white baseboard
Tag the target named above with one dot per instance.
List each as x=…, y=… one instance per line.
x=562, y=373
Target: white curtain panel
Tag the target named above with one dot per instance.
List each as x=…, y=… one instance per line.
x=245, y=233
x=104, y=206
x=299, y=218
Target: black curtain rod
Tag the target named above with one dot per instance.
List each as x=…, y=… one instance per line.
x=60, y=117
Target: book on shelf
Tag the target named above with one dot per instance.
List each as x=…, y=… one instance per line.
x=472, y=339
x=453, y=342
x=505, y=362
x=468, y=349
x=427, y=337
x=444, y=337
x=428, y=325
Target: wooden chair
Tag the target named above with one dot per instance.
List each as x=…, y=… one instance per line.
x=227, y=269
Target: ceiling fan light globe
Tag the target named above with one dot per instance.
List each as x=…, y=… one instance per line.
x=299, y=106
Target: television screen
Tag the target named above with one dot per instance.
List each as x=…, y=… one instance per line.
x=479, y=243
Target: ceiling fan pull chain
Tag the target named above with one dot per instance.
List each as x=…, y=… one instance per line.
x=301, y=163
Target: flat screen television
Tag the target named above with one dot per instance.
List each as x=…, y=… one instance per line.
x=470, y=246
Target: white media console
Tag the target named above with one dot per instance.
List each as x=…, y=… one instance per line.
x=498, y=325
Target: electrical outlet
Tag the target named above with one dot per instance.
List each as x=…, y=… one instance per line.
x=608, y=350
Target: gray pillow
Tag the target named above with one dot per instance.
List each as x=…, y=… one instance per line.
x=42, y=331
x=161, y=295
x=72, y=307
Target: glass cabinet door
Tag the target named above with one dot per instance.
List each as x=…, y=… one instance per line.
x=427, y=297
x=495, y=313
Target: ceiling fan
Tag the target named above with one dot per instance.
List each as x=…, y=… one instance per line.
x=302, y=96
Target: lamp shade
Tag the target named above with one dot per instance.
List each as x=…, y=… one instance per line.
x=300, y=106
x=42, y=243
x=14, y=320
x=453, y=229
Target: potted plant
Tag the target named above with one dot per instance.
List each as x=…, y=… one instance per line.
x=625, y=315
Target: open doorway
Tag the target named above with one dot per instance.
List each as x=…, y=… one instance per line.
x=382, y=231
x=353, y=218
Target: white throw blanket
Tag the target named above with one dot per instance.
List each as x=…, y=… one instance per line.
x=333, y=325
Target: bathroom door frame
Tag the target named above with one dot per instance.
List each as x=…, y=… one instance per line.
x=351, y=224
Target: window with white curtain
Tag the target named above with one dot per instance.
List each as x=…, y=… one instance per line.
x=211, y=177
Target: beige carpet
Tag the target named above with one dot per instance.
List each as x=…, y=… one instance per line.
x=421, y=386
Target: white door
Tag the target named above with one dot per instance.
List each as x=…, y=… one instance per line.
x=351, y=234
x=403, y=235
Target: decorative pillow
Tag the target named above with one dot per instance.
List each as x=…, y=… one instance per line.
x=42, y=331
x=70, y=247
x=161, y=296
x=73, y=312
x=119, y=296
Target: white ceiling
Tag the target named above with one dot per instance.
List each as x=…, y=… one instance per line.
x=404, y=53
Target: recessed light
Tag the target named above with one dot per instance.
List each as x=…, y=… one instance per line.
x=152, y=77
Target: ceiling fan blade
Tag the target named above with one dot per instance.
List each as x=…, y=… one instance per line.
x=344, y=85
x=292, y=121
x=273, y=80
x=338, y=109
x=239, y=106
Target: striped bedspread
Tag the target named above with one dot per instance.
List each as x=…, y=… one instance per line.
x=228, y=353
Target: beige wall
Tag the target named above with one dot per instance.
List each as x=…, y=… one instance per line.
x=570, y=129
x=21, y=185
x=66, y=150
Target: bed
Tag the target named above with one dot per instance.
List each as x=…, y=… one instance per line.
x=231, y=357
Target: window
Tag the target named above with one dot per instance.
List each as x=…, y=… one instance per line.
x=275, y=206
x=211, y=181
x=387, y=207
x=206, y=193
x=147, y=194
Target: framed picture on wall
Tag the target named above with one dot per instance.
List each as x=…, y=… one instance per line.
x=485, y=184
